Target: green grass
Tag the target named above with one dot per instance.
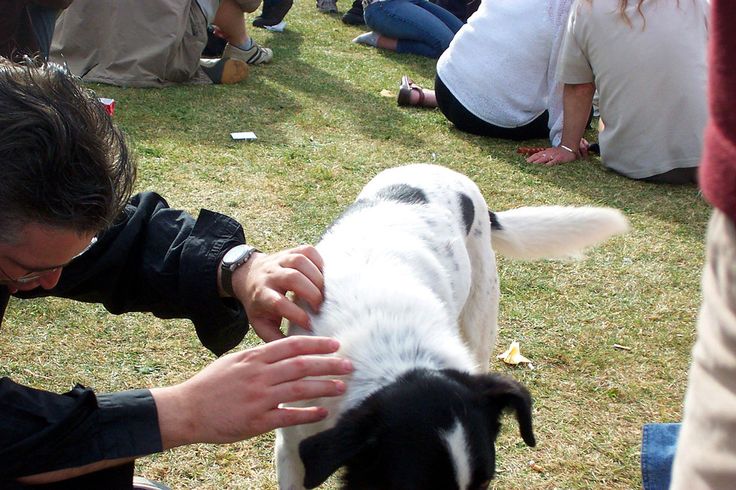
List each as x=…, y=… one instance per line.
x=323, y=131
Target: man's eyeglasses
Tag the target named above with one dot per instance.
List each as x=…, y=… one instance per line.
x=35, y=275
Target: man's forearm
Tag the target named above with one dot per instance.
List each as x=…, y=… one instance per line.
x=577, y=102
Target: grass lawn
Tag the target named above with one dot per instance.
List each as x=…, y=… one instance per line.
x=324, y=130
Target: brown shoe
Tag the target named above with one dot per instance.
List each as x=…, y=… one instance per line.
x=224, y=71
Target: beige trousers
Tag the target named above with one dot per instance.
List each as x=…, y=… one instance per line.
x=706, y=450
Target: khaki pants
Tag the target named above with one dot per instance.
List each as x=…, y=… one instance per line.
x=706, y=451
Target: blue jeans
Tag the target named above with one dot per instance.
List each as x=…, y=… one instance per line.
x=420, y=27
x=658, y=443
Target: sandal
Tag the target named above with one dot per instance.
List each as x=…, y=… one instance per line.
x=405, y=88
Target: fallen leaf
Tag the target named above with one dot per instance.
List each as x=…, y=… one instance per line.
x=513, y=355
x=387, y=93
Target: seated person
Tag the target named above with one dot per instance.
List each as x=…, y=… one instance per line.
x=497, y=77
x=156, y=43
x=648, y=62
x=462, y=9
x=408, y=26
x=68, y=229
x=27, y=26
x=273, y=13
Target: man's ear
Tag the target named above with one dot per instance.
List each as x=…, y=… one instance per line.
x=501, y=392
x=324, y=453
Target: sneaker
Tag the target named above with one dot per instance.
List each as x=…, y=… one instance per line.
x=224, y=71
x=273, y=12
x=327, y=6
x=354, y=16
x=253, y=56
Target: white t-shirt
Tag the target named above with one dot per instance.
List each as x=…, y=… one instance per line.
x=651, y=78
x=500, y=65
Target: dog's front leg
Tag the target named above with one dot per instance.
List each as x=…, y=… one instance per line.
x=289, y=467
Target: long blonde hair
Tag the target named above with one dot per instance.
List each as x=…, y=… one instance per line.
x=624, y=4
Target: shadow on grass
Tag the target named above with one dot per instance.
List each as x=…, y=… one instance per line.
x=679, y=205
x=269, y=102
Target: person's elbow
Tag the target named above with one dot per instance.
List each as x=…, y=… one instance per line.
x=580, y=88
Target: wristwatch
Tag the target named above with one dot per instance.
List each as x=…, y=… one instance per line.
x=234, y=258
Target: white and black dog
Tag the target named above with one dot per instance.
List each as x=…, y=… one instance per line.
x=411, y=293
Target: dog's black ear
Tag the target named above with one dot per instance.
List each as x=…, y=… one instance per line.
x=502, y=392
x=324, y=453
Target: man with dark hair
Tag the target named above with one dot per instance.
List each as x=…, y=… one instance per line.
x=69, y=229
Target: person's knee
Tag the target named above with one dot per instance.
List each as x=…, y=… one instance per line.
x=248, y=6
x=439, y=45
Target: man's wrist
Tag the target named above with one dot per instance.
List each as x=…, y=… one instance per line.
x=174, y=418
x=233, y=260
x=570, y=149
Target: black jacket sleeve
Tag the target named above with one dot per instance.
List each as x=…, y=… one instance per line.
x=160, y=260
x=42, y=431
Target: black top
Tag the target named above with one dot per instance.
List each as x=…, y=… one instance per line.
x=157, y=260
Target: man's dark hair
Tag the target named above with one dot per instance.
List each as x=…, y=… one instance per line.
x=63, y=162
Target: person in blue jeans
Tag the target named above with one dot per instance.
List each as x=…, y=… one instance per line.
x=409, y=26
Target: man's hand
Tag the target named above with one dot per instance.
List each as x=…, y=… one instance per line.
x=560, y=154
x=238, y=395
x=261, y=285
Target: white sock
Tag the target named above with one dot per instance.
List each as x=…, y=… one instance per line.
x=368, y=38
x=246, y=45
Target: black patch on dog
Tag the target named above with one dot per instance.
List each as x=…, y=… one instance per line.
x=495, y=225
x=393, y=439
x=466, y=205
x=403, y=193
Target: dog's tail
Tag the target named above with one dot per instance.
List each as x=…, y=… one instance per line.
x=553, y=231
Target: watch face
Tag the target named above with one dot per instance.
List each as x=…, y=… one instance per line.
x=234, y=254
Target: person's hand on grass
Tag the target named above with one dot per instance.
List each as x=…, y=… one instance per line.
x=560, y=154
x=238, y=395
x=261, y=285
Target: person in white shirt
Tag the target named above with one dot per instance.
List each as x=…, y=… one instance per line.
x=497, y=76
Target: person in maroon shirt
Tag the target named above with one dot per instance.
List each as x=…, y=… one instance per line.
x=706, y=450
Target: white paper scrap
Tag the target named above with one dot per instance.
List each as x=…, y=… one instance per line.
x=243, y=135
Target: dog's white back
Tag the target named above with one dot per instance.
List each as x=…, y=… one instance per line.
x=411, y=283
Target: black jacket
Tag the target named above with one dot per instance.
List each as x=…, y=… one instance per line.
x=155, y=259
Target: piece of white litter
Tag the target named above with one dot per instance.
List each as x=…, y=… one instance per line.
x=243, y=135
x=513, y=355
x=621, y=347
x=278, y=27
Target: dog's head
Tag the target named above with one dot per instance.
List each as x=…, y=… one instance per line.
x=427, y=430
